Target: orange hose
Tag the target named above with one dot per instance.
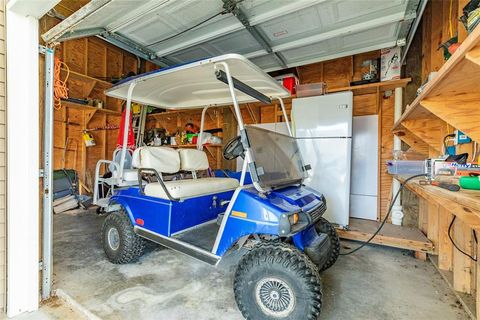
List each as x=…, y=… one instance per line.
x=60, y=90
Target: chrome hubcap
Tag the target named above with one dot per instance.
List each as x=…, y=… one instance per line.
x=275, y=297
x=113, y=238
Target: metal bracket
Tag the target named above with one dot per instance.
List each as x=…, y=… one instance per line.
x=135, y=48
x=44, y=49
x=232, y=7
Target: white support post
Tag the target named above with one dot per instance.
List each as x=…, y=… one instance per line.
x=397, y=209
x=23, y=165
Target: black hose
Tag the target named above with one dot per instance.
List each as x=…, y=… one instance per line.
x=386, y=217
x=453, y=242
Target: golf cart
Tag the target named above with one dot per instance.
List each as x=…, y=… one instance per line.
x=267, y=209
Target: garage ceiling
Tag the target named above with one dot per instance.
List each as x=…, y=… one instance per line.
x=273, y=34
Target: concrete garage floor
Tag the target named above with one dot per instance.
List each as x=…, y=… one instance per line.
x=375, y=283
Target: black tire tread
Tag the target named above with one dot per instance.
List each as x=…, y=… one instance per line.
x=324, y=226
x=290, y=257
x=131, y=245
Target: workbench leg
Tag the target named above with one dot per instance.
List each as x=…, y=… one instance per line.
x=477, y=296
x=462, y=265
x=445, y=247
x=420, y=255
x=422, y=215
x=432, y=229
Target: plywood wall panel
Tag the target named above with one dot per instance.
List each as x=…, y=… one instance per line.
x=365, y=104
x=75, y=55
x=310, y=73
x=338, y=73
x=114, y=63
x=149, y=66
x=386, y=149
x=96, y=59
x=129, y=64
x=111, y=135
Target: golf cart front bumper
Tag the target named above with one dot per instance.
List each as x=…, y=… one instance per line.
x=305, y=219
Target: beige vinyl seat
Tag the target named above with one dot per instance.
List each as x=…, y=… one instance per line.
x=168, y=160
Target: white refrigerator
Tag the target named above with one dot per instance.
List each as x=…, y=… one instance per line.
x=323, y=126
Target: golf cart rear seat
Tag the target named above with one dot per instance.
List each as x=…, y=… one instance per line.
x=168, y=160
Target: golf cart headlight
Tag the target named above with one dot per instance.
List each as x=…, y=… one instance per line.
x=293, y=218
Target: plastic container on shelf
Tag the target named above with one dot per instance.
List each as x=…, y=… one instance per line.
x=311, y=89
x=405, y=167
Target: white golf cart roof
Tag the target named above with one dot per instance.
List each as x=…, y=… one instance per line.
x=194, y=85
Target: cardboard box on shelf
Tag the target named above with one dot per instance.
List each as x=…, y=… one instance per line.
x=390, y=64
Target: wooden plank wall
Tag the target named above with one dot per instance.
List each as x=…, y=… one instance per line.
x=439, y=22
x=91, y=61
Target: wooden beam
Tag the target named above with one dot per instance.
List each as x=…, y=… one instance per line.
x=462, y=265
x=432, y=228
x=474, y=55
x=252, y=114
x=413, y=141
x=477, y=278
x=461, y=111
x=390, y=235
x=431, y=131
x=423, y=215
x=445, y=247
x=89, y=115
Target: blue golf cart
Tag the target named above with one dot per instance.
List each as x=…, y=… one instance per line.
x=266, y=208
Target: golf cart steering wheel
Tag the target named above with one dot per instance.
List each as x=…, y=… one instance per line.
x=234, y=149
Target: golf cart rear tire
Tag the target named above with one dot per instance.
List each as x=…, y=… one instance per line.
x=129, y=247
x=294, y=274
x=323, y=226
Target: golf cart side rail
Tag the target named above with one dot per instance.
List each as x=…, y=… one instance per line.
x=160, y=180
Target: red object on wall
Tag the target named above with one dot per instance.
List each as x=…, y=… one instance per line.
x=131, y=137
x=289, y=81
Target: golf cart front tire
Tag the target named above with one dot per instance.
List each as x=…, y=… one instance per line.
x=277, y=281
x=120, y=243
x=323, y=226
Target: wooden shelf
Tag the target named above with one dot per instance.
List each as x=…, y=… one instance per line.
x=449, y=100
x=465, y=204
x=390, y=235
x=373, y=87
x=70, y=104
x=83, y=77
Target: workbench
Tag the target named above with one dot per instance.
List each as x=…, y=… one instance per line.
x=437, y=208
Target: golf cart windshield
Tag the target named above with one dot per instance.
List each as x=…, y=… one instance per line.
x=277, y=158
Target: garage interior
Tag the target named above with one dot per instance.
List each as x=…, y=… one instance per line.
x=411, y=69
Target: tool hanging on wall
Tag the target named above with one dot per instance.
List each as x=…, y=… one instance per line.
x=107, y=127
x=88, y=139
